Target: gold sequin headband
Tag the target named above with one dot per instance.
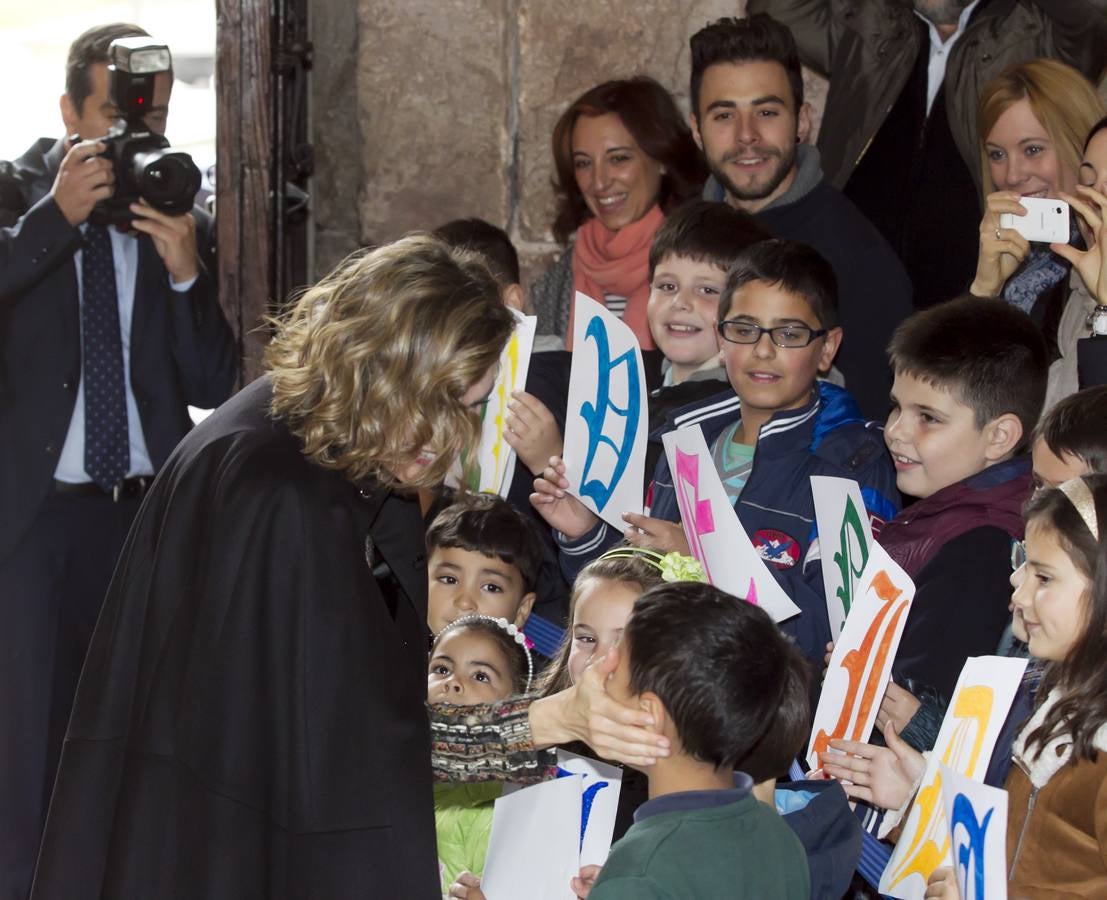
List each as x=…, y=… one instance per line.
x=1080, y=496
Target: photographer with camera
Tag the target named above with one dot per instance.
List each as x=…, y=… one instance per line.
x=109, y=329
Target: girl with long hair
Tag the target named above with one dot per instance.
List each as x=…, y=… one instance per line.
x=1057, y=785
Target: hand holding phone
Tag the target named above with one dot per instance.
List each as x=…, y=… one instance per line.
x=1046, y=220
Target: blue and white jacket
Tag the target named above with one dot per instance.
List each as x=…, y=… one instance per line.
x=826, y=436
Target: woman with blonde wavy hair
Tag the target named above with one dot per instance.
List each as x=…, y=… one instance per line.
x=381, y=368
x=251, y=718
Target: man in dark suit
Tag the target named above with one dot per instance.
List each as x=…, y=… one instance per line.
x=899, y=133
x=106, y=337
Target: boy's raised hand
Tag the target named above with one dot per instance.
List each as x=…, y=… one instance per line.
x=1092, y=208
x=581, y=884
x=883, y=776
x=898, y=707
x=655, y=534
x=942, y=885
x=532, y=431
x=467, y=887
x=557, y=506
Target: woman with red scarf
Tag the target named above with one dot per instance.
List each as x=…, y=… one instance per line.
x=625, y=158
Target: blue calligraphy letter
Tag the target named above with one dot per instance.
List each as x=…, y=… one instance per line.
x=596, y=416
x=970, y=855
x=586, y=806
x=586, y=799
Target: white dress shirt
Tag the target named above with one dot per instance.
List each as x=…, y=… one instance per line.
x=939, y=52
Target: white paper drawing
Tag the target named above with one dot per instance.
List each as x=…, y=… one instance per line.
x=985, y=689
x=845, y=536
x=600, y=790
x=495, y=458
x=534, y=847
x=715, y=536
x=977, y=816
x=606, y=416
x=861, y=664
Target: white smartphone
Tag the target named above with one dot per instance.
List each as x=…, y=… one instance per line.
x=1046, y=221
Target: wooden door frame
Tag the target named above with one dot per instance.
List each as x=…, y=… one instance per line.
x=244, y=173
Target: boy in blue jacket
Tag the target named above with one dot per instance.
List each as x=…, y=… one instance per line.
x=777, y=426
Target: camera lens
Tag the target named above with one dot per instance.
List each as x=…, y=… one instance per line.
x=167, y=179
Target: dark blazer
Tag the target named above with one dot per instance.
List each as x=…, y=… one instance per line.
x=182, y=350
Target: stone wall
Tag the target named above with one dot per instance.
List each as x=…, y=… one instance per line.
x=336, y=136
x=454, y=102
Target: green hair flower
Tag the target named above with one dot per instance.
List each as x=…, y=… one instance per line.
x=672, y=566
x=678, y=567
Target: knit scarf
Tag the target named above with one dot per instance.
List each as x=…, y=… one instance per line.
x=1041, y=270
x=616, y=262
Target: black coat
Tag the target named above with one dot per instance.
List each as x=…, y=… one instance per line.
x=250, y=722
x=182, y=350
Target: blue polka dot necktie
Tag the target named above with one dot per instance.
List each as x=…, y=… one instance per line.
x=107, y=450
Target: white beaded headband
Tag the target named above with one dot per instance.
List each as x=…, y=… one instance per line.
x=1080, y=496
x=511, y=628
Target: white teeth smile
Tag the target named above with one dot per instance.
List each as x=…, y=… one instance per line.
x=683, y=329
x=904, y=459
x=611, y=201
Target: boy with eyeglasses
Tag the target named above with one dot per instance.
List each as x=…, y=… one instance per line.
x=776, y=427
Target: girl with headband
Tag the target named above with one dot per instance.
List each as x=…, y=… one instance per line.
x=475, y=660
x=599, y=606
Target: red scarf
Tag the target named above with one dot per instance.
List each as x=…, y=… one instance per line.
x=616, y=262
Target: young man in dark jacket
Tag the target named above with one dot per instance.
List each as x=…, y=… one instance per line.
x=751, y=122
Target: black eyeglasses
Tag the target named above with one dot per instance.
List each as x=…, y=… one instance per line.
x=791, y=337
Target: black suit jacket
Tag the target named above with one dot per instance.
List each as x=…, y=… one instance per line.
x=182, y=350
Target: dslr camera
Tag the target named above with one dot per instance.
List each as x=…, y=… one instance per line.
x=144, y=164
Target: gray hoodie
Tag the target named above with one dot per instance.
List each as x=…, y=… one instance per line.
x=809, y=174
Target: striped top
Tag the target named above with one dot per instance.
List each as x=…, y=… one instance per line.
x=733, y=461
